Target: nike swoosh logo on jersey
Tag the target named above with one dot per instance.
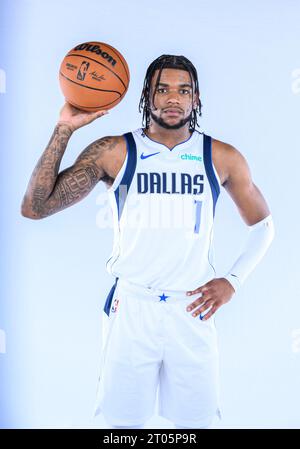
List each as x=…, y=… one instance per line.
x=144, y=156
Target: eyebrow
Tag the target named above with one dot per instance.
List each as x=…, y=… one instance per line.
x=180, y=85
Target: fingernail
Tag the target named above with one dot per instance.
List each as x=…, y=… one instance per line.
x=188, y=309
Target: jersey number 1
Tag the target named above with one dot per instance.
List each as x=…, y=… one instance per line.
x=198, y=216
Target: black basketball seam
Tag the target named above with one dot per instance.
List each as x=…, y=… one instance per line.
x=113, y=49
x=100, y=106
x=88, y=87
x=91, y=59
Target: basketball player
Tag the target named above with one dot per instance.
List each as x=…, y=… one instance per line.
x=163, y=181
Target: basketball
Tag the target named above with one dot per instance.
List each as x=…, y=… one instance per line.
x=94, y=76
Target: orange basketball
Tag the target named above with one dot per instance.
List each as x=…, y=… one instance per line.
x=94, y=76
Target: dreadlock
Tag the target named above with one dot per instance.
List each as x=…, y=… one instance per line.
x=168, y=62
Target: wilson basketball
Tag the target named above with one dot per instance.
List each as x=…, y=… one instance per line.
x=94, y=76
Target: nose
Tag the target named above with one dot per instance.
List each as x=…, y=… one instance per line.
x=173, y=97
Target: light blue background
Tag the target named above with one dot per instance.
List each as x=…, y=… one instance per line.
x=53, y=277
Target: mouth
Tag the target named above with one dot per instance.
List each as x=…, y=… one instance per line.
x=172, y=112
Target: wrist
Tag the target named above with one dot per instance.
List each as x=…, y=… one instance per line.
x=233, y=281
x=66, y=126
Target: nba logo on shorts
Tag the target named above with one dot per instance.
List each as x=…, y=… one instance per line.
x=82, y=70
x=115, y=305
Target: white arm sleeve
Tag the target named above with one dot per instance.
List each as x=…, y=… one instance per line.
x=259, y=239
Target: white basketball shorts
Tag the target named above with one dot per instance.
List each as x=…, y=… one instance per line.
x=151, y=341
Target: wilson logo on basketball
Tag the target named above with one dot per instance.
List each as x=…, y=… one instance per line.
x=96, y=49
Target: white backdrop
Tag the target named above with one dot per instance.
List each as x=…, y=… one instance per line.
x=53, y=278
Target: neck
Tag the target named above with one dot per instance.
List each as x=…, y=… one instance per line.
x=169, y=137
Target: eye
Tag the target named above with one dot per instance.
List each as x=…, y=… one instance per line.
x=185, y=91
x=160, y=89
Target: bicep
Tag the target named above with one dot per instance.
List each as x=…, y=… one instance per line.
x=246, y=195
x=72, y=185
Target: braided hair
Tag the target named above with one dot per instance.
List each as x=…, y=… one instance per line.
x=168, y=62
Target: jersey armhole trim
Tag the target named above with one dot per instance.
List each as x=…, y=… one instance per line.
x=122, y=190
x=121, y=172
x=210, y=169
x=216, y=174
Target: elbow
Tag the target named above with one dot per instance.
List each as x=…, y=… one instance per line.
x=27, y=212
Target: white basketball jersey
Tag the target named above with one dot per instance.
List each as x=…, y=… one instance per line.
x=163, y=203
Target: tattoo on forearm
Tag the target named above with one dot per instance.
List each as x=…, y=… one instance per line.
x=51, y=158
x=45, y=173
x=38, y=198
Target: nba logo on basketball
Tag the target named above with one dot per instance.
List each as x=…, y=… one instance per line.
x=115, y=305
x=82, y=70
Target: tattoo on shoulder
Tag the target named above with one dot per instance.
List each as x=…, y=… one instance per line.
x=95, y=149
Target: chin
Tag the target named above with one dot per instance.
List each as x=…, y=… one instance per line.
x=181, y=122
x=175, y=125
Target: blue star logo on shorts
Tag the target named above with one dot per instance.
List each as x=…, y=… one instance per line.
x=163, y=297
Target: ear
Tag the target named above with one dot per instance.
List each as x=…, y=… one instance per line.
x=196, y=100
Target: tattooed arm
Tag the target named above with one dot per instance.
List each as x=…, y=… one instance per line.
x=48, y=190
